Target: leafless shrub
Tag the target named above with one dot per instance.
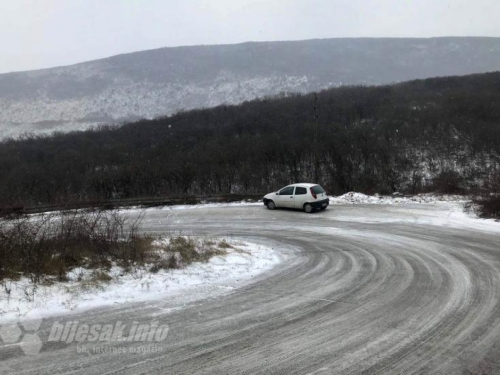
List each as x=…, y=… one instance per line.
x=449, y=182
x=54, y=244
x=488, y=206
x=486, y=202
x=46, y=248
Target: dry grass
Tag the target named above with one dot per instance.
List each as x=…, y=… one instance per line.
x=52, y=245
x=47, y=248
x=100, y=276
x=241, y=251
x=180, y=251
x=224, y=245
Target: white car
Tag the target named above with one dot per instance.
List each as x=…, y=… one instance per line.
x=307, y=197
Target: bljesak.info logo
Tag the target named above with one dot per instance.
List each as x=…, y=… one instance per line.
x=135, y=337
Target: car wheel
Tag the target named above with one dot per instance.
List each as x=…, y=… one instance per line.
x=308, y=208
x=270, y=205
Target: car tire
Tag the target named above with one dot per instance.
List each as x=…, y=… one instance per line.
x=270, y=205
x=308, y=208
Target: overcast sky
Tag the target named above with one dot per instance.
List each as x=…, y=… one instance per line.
x=45, y=33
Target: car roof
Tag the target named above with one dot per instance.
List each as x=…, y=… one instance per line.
x=303, y=184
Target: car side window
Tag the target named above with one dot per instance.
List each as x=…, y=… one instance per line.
x=287, y=191
x=300, y=191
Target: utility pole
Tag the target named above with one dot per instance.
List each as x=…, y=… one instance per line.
x=316, y=160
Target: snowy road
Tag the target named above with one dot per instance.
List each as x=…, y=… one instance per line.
x=364, y=288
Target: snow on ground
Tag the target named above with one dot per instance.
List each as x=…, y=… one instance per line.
x=131, y=209
x=348, y=198
x=422, y=209
x=359, y=198
x=223, y=274
x=439, y=213
x=208, y=205
x=220, y=275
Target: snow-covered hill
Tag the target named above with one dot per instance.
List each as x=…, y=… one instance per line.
x=163, y=81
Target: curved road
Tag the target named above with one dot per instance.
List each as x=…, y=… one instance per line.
x=362, y=289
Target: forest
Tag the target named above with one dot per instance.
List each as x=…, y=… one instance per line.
x=440, y=134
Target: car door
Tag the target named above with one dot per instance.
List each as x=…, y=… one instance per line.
x=300, y=197
x=285, y=197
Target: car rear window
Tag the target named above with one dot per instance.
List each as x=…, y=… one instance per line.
x=300, y=191
x=318, y=189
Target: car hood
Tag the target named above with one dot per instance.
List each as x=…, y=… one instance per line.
x=270, y=195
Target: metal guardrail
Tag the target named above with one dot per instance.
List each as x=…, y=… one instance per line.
x=121, y=203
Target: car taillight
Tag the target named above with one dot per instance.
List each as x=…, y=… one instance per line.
x=313, y=193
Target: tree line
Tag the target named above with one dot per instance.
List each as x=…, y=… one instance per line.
x=434, y=134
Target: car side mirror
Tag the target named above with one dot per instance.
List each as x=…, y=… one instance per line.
x=277, y=192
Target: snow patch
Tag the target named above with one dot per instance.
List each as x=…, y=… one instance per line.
x=210, y=205
x=359, y=198
x=137, y=209
x=221, y=275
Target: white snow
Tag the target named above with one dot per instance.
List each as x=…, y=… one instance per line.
x=124, y=98
x=211, y=205
x=439, y=213
x=359, y=198
x=138, y=209
x=348, y=198
x=421, y=209
x=221, y=275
